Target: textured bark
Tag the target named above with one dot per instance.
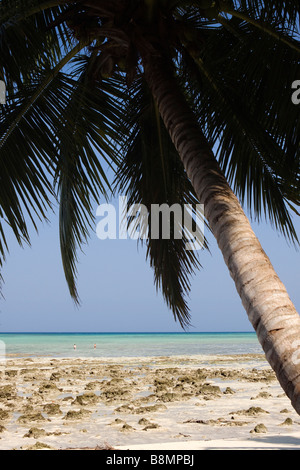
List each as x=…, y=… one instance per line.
x=264, y=297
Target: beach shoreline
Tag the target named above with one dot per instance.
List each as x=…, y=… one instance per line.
x=144, y=403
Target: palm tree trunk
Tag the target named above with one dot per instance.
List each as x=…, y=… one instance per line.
x=264, y=297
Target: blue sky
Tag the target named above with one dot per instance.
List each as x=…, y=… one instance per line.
x=117, y=291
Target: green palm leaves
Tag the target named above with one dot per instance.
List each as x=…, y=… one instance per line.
x=85, y=144
x=77, y=103
x=54, y=131
x=243, y=102
x=150, y=172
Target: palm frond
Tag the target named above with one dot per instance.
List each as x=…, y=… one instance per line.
x=27, y=157
x=86, y=139
x=152, y=173
x=278, y=12
x=272, y=19
x=245, y=108
x=27, y=43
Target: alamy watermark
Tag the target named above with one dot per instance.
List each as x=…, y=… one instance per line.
x=296, y=93
x=161, y=222
x=2, y=92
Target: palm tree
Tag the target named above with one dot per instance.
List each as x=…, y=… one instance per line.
x=152, y=87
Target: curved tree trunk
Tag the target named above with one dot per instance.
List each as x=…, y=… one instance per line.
x=269, y=308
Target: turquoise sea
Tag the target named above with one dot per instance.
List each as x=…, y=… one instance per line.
x=127, y=344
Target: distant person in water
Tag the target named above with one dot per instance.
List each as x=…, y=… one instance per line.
x=74, y=346
x=95, y=346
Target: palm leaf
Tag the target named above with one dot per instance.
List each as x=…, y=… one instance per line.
x=152, y=173
x=258, y=148
x=27, y=44
x=27, y=157
x=85, y=144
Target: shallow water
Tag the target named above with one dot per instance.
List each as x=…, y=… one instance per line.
x=127, y=344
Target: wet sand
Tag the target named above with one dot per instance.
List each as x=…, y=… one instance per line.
x=198, y=402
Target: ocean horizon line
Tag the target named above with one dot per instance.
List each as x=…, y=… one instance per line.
x=123, y=332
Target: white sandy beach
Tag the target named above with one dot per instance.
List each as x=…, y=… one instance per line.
x=159, y=403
